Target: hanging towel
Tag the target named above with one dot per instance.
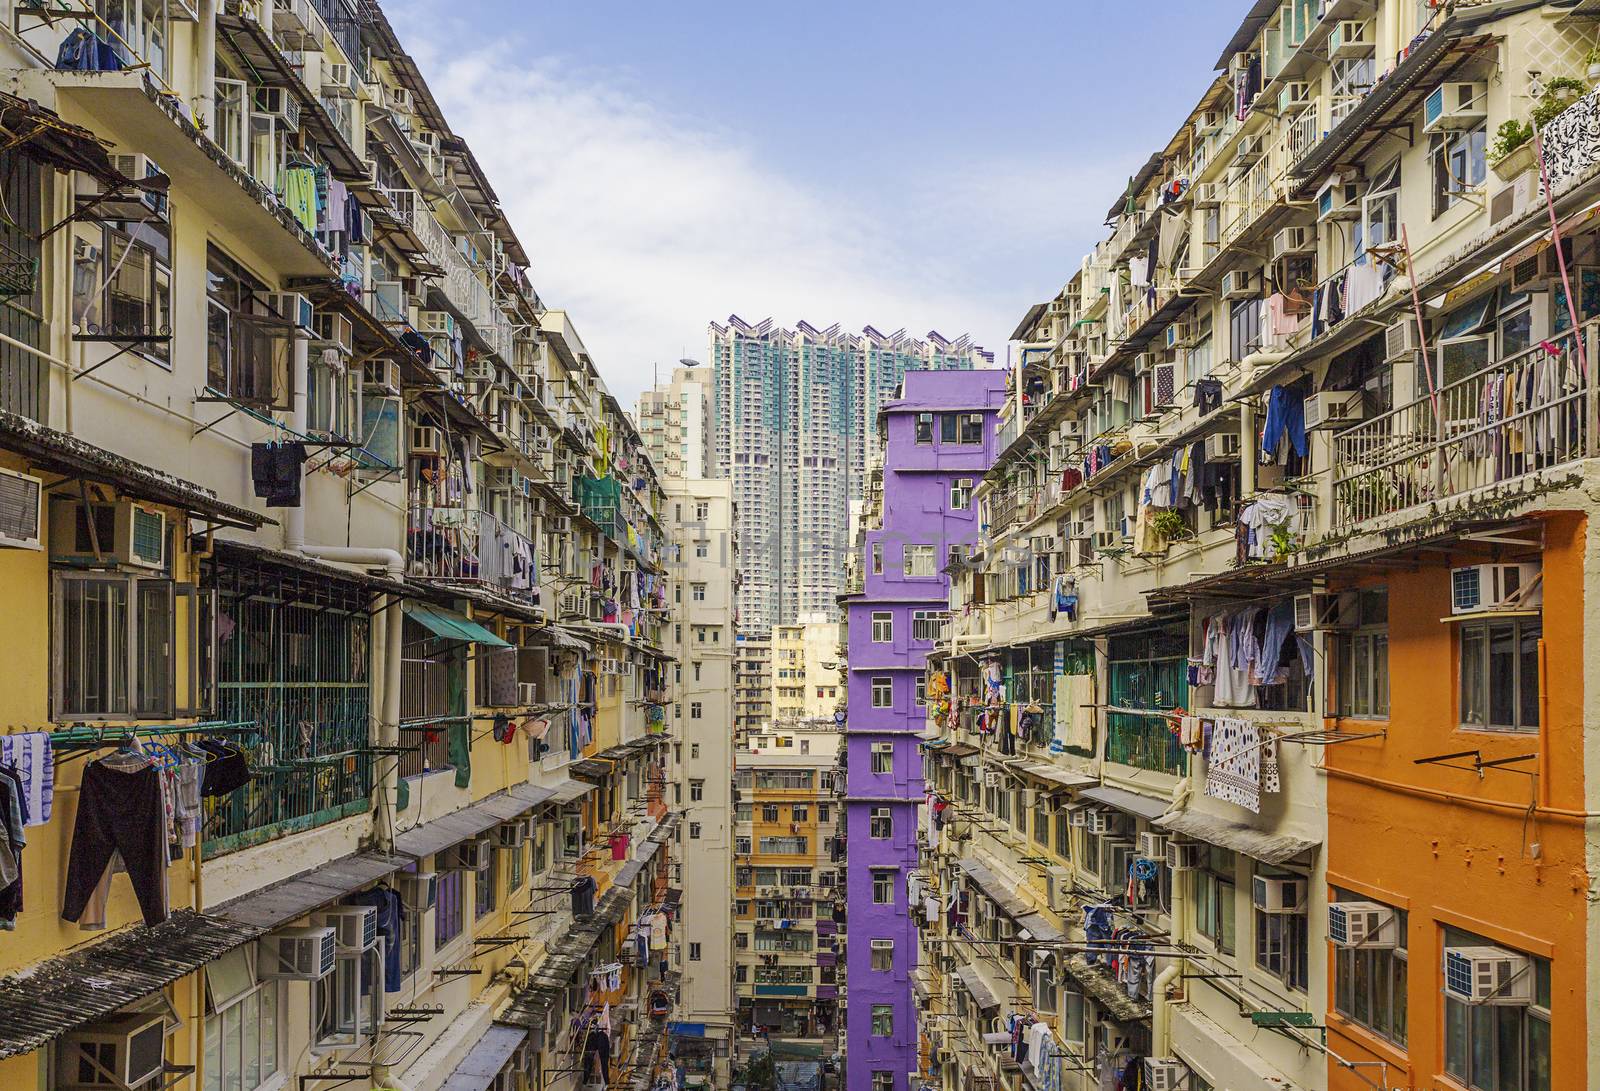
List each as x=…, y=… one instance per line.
x=1233, y=773
x=29, y=753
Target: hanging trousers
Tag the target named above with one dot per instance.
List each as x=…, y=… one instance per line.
x=119, y=811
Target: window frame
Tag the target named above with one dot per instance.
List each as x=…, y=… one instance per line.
x=882, y=691
x=143, y=695
x=151, y=242
x=882, y=951
x=1484, y=628
x=919, y=561
x=880, y=819
x=215, y=1027
x=1471, y=145
x=882, y=627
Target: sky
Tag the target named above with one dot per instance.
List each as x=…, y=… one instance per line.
x=916, y=164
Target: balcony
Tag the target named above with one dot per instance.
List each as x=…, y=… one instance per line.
x=1470, y=437
x=458, y=545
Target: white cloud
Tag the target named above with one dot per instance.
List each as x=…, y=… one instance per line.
x=646, y=225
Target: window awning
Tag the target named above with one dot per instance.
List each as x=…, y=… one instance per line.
x=310, y=890
x=1040, y=928
x=71, y=991
x=996, y=890
x=451, y=625
x=1057, y=775
x=571, y=791
x=981, y=993
x=1269, y=848
x=1145, y=807
x=458, y=826
x=483, y=1062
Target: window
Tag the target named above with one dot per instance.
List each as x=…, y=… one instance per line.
x=694, y=831
x=696, y=666
x=1199, y=354
x=114, y=640
x=1500, y=674
x=882, y=887
x=883, y=757
x=694, y=952
x=741, y=973
x=769, y=812
x=1281, y=946
x=882, y=691
x=1244, y=328
x=947, y=427
x=1361, y=659
x=971, y=428
x=484, y=888
x=697, y=790
x=1459, y=164
x=242, y=1028
x=961, y=494
x=248, y=349
x=741, y=846
x=883, y=954
x=823, y=812
x=929, y=625
x=882, y=1081
x=924, y=427
x=447, y=915
x=1369, y=985
x=122, y=286
x=921, y=694
x=702, y=510
x=919, y=560
x=882, y=627
x=702, y=549
x=697, y=591
x=881, y=824
x=791, y=846
x=1213, y=909
x=882, y=1020
x=1380, y=214
x=695, y=709
x=1499, y=1047
x=877, y=558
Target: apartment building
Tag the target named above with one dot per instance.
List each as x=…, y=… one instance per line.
x=937, y=439
x=675, y=420
x=788, y=921
x=805, y=670
x=793, y=413
x=701, y=773
x=1230, y=789
x=314, y=511
x=752, y=684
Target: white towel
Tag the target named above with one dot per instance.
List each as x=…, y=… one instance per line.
x=29, y=753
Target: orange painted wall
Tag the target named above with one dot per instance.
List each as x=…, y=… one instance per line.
x=1451, y=848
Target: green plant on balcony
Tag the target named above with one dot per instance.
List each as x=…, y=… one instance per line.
x=1511, y=135
x=1591, y=65
x=1558, y=94
x=1170, y=524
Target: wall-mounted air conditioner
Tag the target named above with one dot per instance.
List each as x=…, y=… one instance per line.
x=1332, y=409
x=1222, y=447
x=426, y=440
x=1249, y=151
x=1103, y=821
x=1362, y=924
x=333, y=330
x=1488, y=975
x=417, y=889
x=1153, y=846
x=380, y=376
x=1323, y=611
x=355, y=927
x=473, y=855
x=510, y=835
x=1293, y=240
x=1185, y=855
x=1278, y=895
x=1292, y=94
x=1453, y=106
x=299, y=954
x=279, y=103
x=1494, y=586
x=1208, y=194
x=21, y=510
x=125, y=532
x=1165, y=1074
x=1339, y=200
x=1350, y=39
x=1400, y=341
x=293, y=307
x=1241, y=284
x=114, y=1053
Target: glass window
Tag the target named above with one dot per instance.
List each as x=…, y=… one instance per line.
x=1370, y=983
x=971, y=428
x=1500, y=673
x=919, y=560
x=1213, y=909
x=1499, y=1047
x=882, y=627
x=242, y=1033
x=1282, y=946
x=1361, y=659
x=924, y=427
x=113, y=637
x=447, y=909
x=122, y=286
x=883, y=757
x=877, y=558
x=881, y=824
x=1459, y=164
x=882, y=1020
x=961, y=494
x=928, y=626
x=883, y=887
x=249, y=350
x=485, y=888
x=882, y=692
x=883, y=954
x=947, y=427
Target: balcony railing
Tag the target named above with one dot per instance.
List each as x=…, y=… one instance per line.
x=1519, y=416
x=458, y=544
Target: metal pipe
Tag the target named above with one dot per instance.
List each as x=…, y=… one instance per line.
x=206, y=85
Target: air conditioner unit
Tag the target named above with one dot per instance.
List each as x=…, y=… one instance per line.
x=473, y=855
x=1292, y=94
x=1488, y=975
x=1208, y=194
x=1332, y=409
x=1493, y=586
x=1454, y=106
x=418, y=889
x=1350, y=39
x=1044, y=543
x=1542, y=267
x=280, y=103
x=138, y=166
x=1400, y=341
x=1107, y=539
x=1030, y=798
x=117, y=1052
x=398, y=98
x=426, y=440
x=1293, y=240
x=1078, y=818
x=127, y=533
x=1153, y=846
x=1178, y=335
x=1513, y=200
x=1241, y=284
x=436, y=322
x=21, y=500
x=338, y=81
x=1103, y=821
x=380, y=376
x=293, y=307
x=1165, y=1074
x=334, y=329
x=1274, y=895
x=1249, y=150
x=1339, y=200
x=355, y=927
x=994, y=780
x=1362, y=924
x=1222, y=446
x=1209, y=121
x=1322, y=611
x=1185, y=855
x=527, y=693
x=510, y=835
x=299, y=954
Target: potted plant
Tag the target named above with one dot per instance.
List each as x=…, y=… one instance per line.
x=1591, y=63
x=1559, y=93
x=1170, y=525
x=1512, y=151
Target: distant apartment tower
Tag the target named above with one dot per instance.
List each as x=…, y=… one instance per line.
x=752, y=681
x=939, y=440
x=805, y=671
x=675, y=422
x=793, y=413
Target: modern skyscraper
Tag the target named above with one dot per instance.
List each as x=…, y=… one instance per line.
x=675, y=422
x=795, y=414
x=923, y=508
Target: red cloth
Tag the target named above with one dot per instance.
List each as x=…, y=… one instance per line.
x=619, y=846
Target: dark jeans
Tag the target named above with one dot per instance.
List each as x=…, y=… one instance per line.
x=121, y=811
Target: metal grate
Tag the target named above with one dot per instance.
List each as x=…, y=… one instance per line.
x=1458, y=973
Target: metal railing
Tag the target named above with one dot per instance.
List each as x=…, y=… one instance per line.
x=459, y=544
x=1530, y=412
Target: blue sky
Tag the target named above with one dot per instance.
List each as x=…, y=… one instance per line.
x=926, y=165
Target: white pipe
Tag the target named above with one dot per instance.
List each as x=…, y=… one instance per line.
x=391, y=637
x=206, y=85
x=294, y=521
x=362, y=556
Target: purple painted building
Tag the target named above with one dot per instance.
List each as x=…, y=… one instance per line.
x=939, y=440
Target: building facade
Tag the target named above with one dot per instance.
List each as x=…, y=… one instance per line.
x=752, y=685
x=676, y=423
x=938, y=438
x=794, y=411
x=307, y=515
x=1219, y=757
x=700, y=512
x=786, y=863
x=806, y=664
